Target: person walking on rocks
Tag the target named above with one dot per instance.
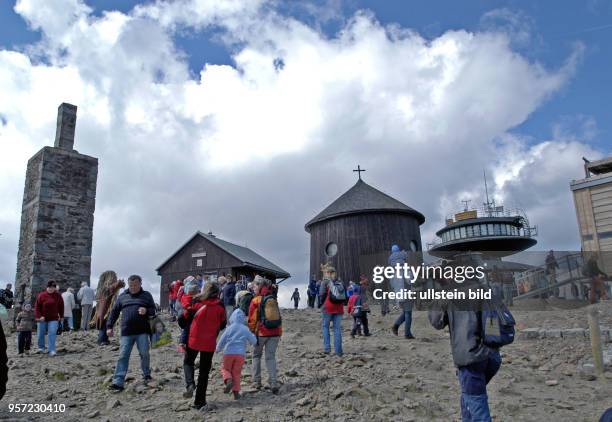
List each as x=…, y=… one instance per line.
x=136, y=306
x=405, y=316
x=86, y=295
x=265, y=322
x=208, y=321
x=48, y=311
x=295, y=297
x=69, y=305
x=397, y=257
x=332, y=297
x=106, y=294
x=25, y=325
x=359, y=313
x=476, y=362
x=233, y=344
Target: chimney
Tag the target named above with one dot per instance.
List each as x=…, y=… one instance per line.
x=66, y=123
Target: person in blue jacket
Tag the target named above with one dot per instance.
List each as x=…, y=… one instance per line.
x=233, y=344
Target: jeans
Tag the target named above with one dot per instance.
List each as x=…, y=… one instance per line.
x=405, y=318
x=269, y=344
x=232, y=369
x=172, y=307
x=189, y=369
x=43, y=327
x=125, y=350
x=474, y=379
x=85, y=316
x=70, y=322
x=24, y=341
x=336, y=320
x=228, y=311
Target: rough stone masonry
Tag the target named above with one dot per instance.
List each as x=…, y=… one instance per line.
x=57, y=214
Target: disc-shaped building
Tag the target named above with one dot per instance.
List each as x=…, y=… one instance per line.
x=357, y=230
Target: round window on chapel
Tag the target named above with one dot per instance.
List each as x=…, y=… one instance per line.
x=331, y=249
x=413, y=246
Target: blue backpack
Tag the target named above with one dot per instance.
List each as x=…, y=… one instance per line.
x=497, y=326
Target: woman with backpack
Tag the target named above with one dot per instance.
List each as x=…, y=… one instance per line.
x=332, y=295
x=265, y=322
x=208, y=320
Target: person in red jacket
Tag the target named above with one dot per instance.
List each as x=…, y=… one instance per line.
x=208, y=320
x=48, y=312
x=267, y=338
x=173, y=296
x=331, y=312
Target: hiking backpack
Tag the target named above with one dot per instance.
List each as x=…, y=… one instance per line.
x=337, y=292
x=497, y=326
x=269, y=312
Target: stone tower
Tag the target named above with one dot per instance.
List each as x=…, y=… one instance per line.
x=57, y=213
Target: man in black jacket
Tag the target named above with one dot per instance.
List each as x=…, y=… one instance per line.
x=136, y=307
x=3, y=363
x=476, y=363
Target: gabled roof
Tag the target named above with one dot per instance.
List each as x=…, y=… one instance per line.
x=363, y=198
x=241, y=253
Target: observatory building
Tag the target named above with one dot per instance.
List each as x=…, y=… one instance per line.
x=356, y=231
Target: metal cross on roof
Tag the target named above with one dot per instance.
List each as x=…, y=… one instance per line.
x=358, y=170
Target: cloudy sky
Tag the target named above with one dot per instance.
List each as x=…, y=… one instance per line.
x=247, y=117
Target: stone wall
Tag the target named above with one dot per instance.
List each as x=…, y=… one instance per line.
x=57, y=220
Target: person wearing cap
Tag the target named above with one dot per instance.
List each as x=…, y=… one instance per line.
x=48, y=312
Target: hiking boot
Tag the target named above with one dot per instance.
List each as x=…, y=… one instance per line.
x=228, y=385
x=40, y=351
x=236, y=395
x=394, y=329
x=52, y=354
x=352, y=335
x=188, y=393
x=367, y=335
x=409, y=337
x=275, y=390
x=114, y=388
x=205, y=408
x=257, y=385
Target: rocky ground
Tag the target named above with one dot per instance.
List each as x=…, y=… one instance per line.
x=382, y=377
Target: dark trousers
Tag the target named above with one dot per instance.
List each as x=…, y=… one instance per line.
x=189, y=369
x=356, y=326
x=102, y=337
x=24, y=341
x=474, y=379
x=364, y=323
x=295, y=303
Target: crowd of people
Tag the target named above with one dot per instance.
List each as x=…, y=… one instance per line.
x=226, y=316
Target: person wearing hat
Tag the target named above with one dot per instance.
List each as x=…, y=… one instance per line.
x=331, y=312
x=48, y=312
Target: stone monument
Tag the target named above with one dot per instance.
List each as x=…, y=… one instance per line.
x=57, y=214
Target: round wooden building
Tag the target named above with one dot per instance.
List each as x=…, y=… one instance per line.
x=356, y=232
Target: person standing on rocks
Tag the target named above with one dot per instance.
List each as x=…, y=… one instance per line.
x=107, y=291
x=86, y=295
x=397, y=257
x=229, y=296
x=136, y=306
x=312, y=293
x=333, y=309
x=597, y=276
x=69, y=305
x=208, y=321
x=295, y=297
x=25, y=325
x=48, y=311
x=476, y=363
x=265, y=322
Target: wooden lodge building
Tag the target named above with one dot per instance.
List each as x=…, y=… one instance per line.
x=208, y=255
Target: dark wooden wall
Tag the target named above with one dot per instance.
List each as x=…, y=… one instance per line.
x=358, y=235
x=216, y=261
